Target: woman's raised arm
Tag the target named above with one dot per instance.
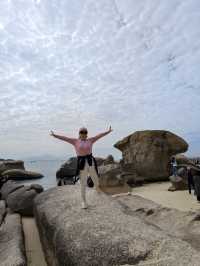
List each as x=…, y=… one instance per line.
x=64, y=138
x=95, y=138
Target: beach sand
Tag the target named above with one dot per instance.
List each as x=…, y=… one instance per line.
x=34, y=252
x=159, y=193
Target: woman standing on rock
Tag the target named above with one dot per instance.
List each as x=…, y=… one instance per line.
x=86, y=163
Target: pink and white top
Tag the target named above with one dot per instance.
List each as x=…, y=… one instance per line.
x=84, y=147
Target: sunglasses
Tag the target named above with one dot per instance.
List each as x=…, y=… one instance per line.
x=83, y=132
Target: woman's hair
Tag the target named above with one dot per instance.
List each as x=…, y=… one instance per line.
x=82, y=129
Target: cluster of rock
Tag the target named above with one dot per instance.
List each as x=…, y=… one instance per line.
x=19, y=198
x=12, y=248
x=15, y=170
x=109, y=171
x=16, y=200
x=114, y=231
x=146, y=157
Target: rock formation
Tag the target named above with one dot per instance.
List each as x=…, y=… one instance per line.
x=18, y=174
x=12, y=248
x=11, y=164
x=15, y=170
x=19, y=198
x=110, y=175
x=149, y=152
x=109, y=171
x=128, y=231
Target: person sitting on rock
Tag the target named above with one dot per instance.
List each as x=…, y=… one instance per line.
x=86, y=163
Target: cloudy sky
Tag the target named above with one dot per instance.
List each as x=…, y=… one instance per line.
x=132, y=64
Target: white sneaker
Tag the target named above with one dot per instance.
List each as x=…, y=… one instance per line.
x=84, y=205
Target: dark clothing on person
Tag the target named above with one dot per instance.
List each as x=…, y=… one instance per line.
x=81, y=164
x=190, y=181
x=197, y=186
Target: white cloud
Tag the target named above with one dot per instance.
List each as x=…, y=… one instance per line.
x=131, y=64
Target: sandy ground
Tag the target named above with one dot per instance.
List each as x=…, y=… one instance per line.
x=157, y=192
x=34, y=252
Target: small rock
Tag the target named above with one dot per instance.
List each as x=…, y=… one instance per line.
x=21, y=200
x=38, y=188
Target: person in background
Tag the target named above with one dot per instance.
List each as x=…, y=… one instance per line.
x=190, y=179
x=197, y=163
x=86, y=163
x=174, y=166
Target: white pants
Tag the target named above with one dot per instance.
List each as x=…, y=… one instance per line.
x=88, y=171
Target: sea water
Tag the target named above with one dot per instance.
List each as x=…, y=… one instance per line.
x=47, y=168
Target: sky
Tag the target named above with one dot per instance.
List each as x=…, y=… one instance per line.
x=131, y=64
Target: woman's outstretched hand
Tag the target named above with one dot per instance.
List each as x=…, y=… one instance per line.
x=110, y=129
x=52, y=133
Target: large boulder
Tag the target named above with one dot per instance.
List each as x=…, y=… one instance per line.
x=17, y=174
x=19, y=198
x=11, y=164
x=150, y=151
x=108, y=233
x=12, y=249
x=176, y=223
x=9, y=187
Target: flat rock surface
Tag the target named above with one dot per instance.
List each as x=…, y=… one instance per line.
x=12, y=251
x=104, y=234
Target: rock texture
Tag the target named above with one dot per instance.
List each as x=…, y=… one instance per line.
x=19, y=198
x=150, y=151
x=12, y=250
x=17, y=174
x=11, y=164
x=9, y=187
x=110, y=175
x=177, y=224
x=111, y=232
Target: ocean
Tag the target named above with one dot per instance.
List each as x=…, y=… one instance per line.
x=47, y=168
